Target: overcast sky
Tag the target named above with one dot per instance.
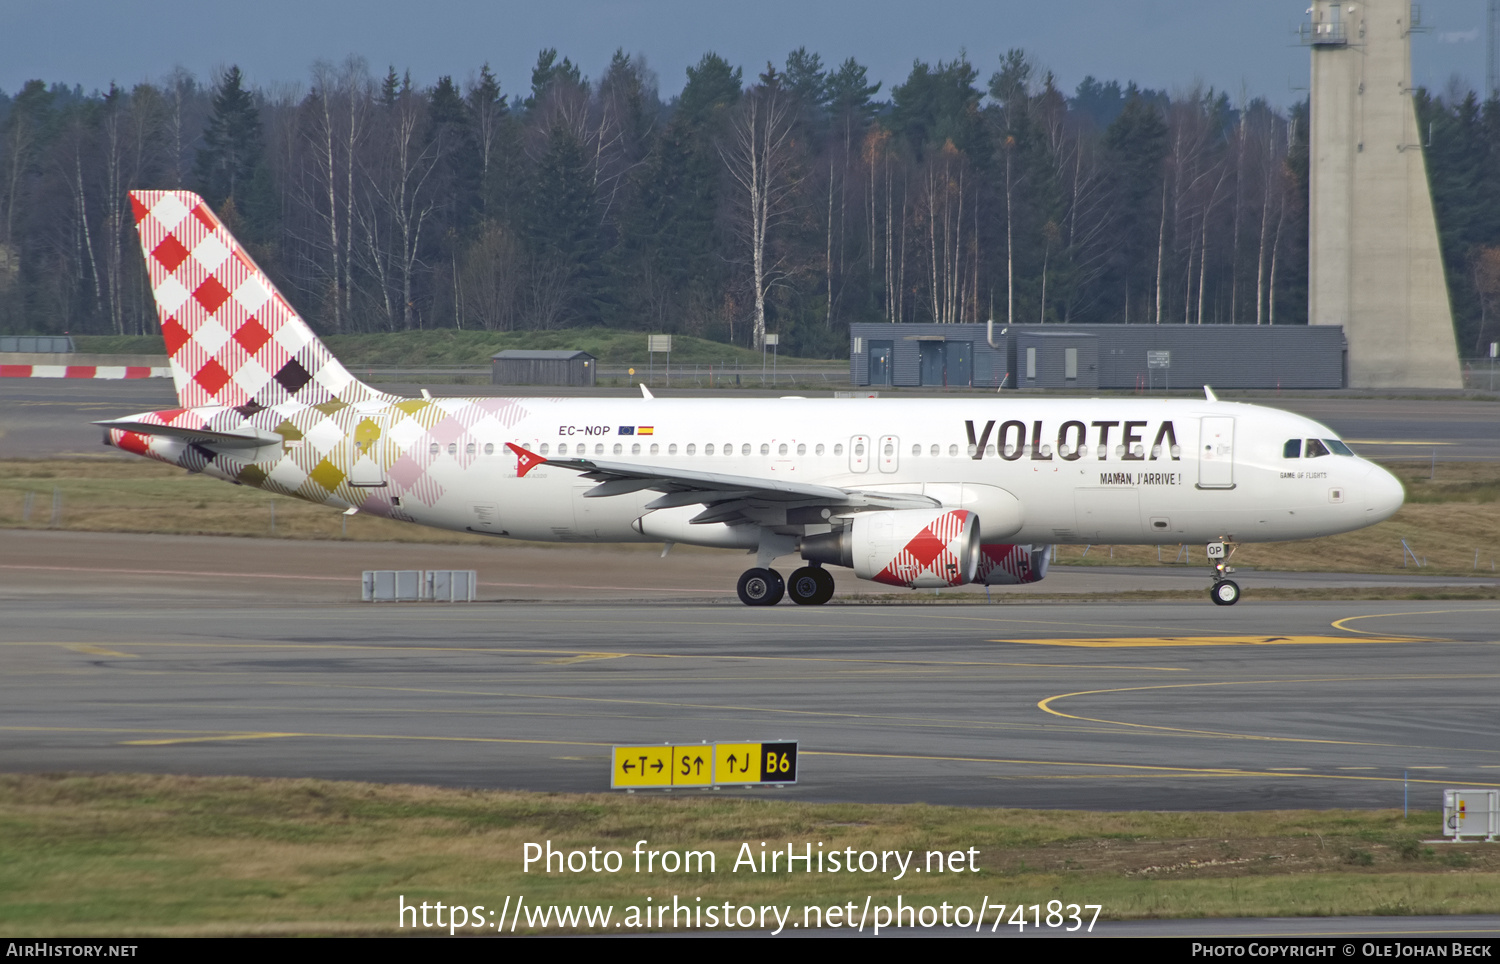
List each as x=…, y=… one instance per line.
x=1247, y=46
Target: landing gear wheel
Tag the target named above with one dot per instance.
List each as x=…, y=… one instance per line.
x=761, y=587
x=1225, y=592
x=810, y=586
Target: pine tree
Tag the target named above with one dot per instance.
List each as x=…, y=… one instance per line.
x=230, y=168
x=232, y=143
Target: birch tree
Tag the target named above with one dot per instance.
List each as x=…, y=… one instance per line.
x=764, y=161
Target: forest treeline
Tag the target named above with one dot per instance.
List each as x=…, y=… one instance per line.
x=795, y=201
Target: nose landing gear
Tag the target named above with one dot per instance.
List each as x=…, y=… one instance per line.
x=1224, y=591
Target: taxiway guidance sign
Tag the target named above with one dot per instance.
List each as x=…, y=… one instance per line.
x=703, y=765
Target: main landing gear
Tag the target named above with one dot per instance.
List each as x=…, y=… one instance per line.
x=809, y=586
x=761, y=587
x=1224, y=591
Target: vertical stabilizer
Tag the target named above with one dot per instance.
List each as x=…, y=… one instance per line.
x=232, y=338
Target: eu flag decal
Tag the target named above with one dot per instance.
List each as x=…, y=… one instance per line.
x=627, y=429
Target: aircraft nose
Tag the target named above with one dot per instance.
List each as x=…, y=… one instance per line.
x=1383, y=494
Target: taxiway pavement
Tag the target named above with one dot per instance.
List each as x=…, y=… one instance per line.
x=154, y=658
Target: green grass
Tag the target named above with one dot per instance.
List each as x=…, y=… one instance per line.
x=120, y=344
x=139, y=855
x=1444, y=524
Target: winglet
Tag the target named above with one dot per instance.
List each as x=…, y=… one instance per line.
x=1208, y=393
x=525, y=461
x=646, y=392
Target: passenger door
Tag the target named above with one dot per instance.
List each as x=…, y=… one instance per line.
x=1216, y=452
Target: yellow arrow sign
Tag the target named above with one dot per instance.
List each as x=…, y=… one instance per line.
x=703, y=764
x=737, y=762
x=642, y=766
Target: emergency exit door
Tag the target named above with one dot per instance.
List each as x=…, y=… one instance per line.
x=367, y=455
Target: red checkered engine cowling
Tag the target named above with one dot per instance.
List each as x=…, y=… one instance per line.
x=917, y=548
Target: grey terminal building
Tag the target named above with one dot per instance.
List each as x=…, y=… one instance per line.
x=1090, y=357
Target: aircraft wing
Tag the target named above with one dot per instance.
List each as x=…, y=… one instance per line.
x=725, y=494
x=245, y=438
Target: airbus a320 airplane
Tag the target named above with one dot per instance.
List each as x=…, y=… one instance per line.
x=916, y=493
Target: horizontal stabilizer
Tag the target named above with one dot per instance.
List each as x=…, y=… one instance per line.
x=243, y=438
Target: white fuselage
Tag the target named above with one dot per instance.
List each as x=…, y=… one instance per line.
x=1083, y=470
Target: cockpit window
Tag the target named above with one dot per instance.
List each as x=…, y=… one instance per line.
x=1339, y=448
x=1292, y=449
x=1316, y=449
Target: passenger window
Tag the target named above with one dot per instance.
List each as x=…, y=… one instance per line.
x=745, y=449
x=1292, y=449
x=655, y=448
x=1316, y=449
x=937, y=450
x=819, y=449
x=708, y=449
x=634, y=449
x=916, y=450
x=619, y=448
x=838, y=449
x=453, y=448
x=952, y=451
x=692, y=449
x=859, y=449
x=765, y=448
x=599, y=448
x=489, y=448
x=782, y=450
x=672, y=449
x=801, y=448
x=433, y=449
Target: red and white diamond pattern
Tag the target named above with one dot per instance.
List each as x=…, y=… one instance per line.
x=932, y=556
x=232, y=338
x=1007, y=565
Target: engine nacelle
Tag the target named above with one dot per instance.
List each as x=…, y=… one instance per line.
x=915, y=548
x=1006, y=565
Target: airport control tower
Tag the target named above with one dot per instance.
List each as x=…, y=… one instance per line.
x=1375, y=265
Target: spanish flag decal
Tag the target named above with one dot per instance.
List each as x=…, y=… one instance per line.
x=645, y=430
